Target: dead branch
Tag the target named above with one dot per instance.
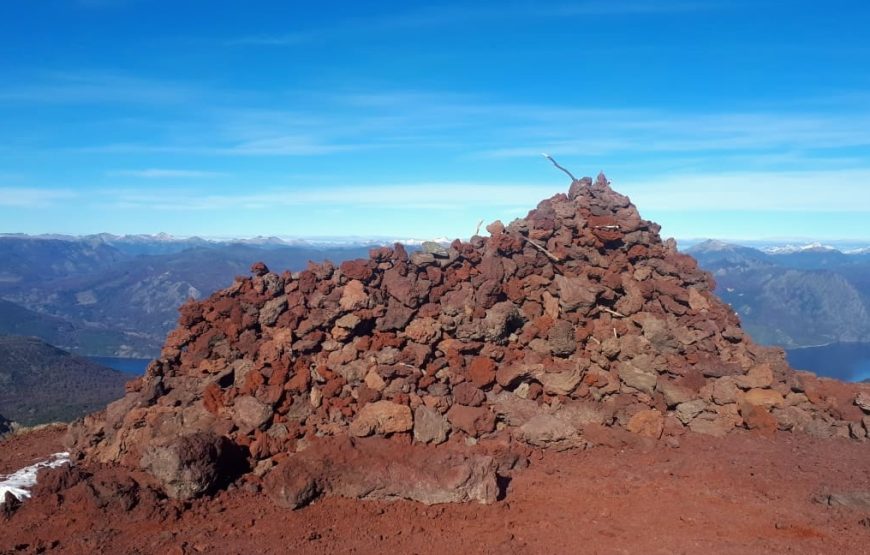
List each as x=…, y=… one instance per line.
x=609, y=311
x=477, y=229
x=550, y=158
x=550, y=255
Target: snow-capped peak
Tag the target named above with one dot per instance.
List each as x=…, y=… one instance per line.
x=791, y=249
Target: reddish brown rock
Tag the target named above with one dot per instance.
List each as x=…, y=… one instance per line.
x=468, y=394
x=481, y=371
x=259, y=269
x=764, y=397
x=758, y=418
x=356, y=269
x=190, y=465
x=647, y=423
x=471, y=420
x=382, y=417
x=379, y=469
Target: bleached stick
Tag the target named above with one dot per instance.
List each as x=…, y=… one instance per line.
x=609, y=311
x=550, y=158
x=550, y=255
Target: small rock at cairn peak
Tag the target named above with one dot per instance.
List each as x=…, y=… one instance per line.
x=601, y=180
x=577, y=186
x=259, y=269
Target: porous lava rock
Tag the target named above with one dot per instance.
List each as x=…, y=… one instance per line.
x=191, y=465
x=576, y=318
x=377, y=468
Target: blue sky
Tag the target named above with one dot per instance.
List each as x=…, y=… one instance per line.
x=727, y=119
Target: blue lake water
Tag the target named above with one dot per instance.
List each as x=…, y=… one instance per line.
x=844, y=361
x=134, y=366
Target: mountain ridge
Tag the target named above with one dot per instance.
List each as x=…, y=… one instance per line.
x=40, y=383
x=792, y=298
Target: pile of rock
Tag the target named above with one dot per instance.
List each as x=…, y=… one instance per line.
x=574, y=318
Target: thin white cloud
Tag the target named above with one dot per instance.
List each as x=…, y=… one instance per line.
x=825, y=191
x=806, y=191
x=31, y=197
x=277, y=146
x=95, y=87
x=495, y=13
x=434, y=196
x=163, y=173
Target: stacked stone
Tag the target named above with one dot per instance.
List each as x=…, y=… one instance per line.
x=574, y=318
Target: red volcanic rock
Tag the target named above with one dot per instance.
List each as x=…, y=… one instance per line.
x=259, y=269
x=430, y=426
x=481, y=371
x=190, y=465
x=649, y=423
x=382, y=417
x=471, y=420
x=356, y=269
x=377, y=469
x=580, y=304
x=758, y=418
x=467, y=393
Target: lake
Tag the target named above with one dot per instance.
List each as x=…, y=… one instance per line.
x=127, y=365
x=844, y=361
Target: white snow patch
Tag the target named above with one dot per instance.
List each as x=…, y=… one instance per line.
x=19, y=483
x=791, y=249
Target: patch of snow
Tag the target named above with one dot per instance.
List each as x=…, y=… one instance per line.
x=19, y=483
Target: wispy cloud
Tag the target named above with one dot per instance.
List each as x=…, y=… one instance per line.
x=161, y=173
x=492, y=14
x=95, y=87
x=842, y=190
x=490, y=130
x=245, y=124
x=273, y=146
x=764, y=191
x=31, y=197
x=434, y=196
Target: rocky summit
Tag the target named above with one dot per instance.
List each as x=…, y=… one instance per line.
x=446, y=366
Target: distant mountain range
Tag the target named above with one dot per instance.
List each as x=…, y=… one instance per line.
x=163, y=243
x=40, y=383
x=793, y=295
x=105, y=295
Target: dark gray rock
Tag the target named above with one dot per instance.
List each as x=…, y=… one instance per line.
x=191, y=465
x=852, y=499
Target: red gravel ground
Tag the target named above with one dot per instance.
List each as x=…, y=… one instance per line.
x=740, y=494
x=30, y=448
